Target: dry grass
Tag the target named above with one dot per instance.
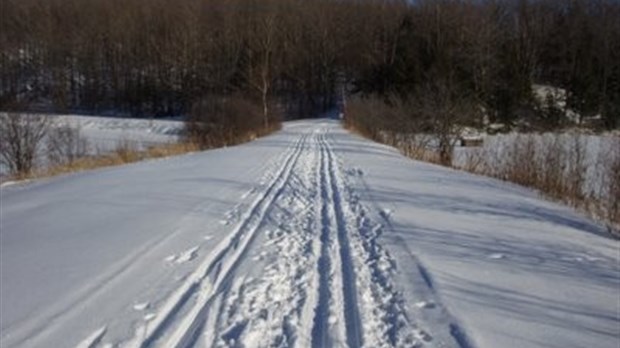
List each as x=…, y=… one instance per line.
x=128, y=152
x=124, y=153
x=554, y=165
x=222, y=121
x=391, y=125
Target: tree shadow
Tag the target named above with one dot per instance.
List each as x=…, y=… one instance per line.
x=529, y=307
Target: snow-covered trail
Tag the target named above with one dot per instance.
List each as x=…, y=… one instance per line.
x=311, y=237
x=290, y=272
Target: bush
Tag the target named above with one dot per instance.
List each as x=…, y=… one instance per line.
x=21, y=136
x=557, y=165
x=218, y=121
x=439, y=109
x=65, y=144
x=127, y=151
x=609, y=164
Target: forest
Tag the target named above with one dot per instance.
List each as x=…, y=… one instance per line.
x=433, y=63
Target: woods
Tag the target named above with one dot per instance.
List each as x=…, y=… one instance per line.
x=155, y=58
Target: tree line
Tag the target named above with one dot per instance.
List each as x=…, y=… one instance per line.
x=298, y=58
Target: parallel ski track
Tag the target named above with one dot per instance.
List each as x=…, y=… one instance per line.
x=277, y=309
x=320, y=331
x=351, y=310
x=214, y=272
x=331, y=313
x=331, y=276
x=51, y=319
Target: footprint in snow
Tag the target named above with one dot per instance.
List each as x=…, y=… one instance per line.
x=423, y=335
x=355, y=172
x=386, y=214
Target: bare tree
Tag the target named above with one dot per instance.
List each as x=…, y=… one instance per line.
x=21, y=136
x=262, y=42
x=445, y=110
x=65, y=144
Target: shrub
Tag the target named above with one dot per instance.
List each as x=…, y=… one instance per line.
x=610, y=189
x=21, y=136
x=217, y=121
x=65, y=144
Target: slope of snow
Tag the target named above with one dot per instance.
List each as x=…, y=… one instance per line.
x=311, y=237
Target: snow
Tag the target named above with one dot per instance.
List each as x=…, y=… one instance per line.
x=104, y=133
x=311, y=237
x=595, y=150
x=558, y=96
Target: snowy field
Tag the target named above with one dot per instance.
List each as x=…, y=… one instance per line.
x=311, y=237
x=595, y=152
x=104, y=133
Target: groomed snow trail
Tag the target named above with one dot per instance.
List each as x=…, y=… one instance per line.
x=323, y=280
x=301, y=267
x=311, y=237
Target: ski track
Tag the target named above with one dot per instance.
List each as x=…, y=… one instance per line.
x=264, y=312
x=213, y=273
x=55, y=316
x=325, y=279
x=323, y=316
x=347, y=273
x=93, y=339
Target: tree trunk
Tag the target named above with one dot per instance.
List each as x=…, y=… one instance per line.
x=264, y=91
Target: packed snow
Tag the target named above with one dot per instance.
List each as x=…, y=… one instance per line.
x=311, y=237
